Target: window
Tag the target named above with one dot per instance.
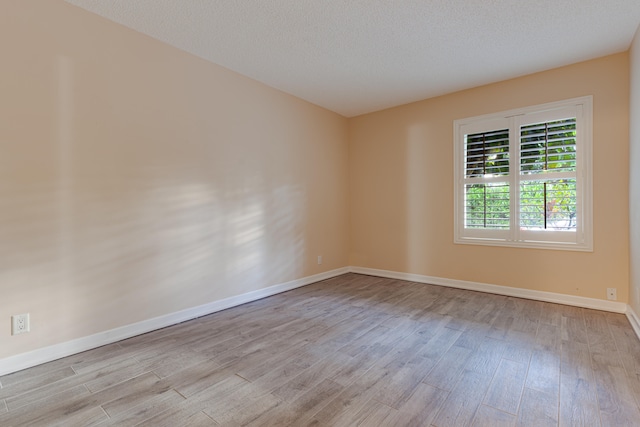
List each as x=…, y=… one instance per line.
x=523, y=177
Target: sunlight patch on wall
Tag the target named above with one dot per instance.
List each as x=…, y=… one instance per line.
x=64, y=184
x=417, y=212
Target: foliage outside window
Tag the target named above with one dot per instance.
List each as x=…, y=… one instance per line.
x=524, y=177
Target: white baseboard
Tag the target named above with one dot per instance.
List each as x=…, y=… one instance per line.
x=634, y=320
x=57, y=351
x=617, y=307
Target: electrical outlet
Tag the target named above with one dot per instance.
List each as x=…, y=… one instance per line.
x=319, y=259
x=20, y=324
x=612, y=294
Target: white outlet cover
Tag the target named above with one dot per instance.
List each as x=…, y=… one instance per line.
x=20, y=324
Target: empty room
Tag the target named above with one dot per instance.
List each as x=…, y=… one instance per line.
x=327, y=213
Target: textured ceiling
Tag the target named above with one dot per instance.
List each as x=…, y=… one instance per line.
x=358, y=56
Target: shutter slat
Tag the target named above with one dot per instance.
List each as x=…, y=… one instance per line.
x=487, y=206
x=487, y=154
x=548, y=205
x=548, y=147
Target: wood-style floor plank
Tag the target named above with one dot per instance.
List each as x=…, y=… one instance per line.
x=146, y=409
x=574, y=329
x=487, y=357
x=51, y=409
x=180, y=413
x=578, y=402
x=346, y=407
x=94, y=381
x=374, y=413
x=548, y=338
x=446, y=373
x=506, y=387
x=242, y=406
x=89, y=417
x=487, y=416
x=460, y=407
x=351, y=350
x=628, y=346
x=199, y=419
x=578, y=399
x=551, y=314
x=36, y=382
x=312, y=376
x=301, y=409
x=538, y=408
x=419, y=410
x=100, y=353
x=544, y=372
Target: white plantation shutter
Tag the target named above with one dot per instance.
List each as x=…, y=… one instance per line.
x=548, y=175
x=548, y=147
x=524, y=177
x=548, y=205
x=487, y=199
x=487, y=153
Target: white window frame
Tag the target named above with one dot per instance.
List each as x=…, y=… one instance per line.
x=582, y=238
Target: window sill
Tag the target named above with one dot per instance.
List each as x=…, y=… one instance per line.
x=559, y=246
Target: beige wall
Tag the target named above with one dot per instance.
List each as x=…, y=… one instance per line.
x=634, y=175
x=138, y=180
x=401, y=186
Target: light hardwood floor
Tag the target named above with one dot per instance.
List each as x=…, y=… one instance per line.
x=352, y=350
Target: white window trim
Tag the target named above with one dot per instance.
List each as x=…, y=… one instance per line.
x=514, y=237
